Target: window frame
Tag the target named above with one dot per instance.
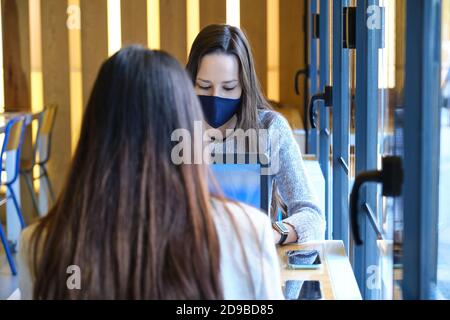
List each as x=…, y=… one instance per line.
x=324, y=127
x=422, y=148
x=341, y=125
x=312, y=75
x=366, y=138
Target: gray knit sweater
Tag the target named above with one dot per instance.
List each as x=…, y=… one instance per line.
x=292, y=180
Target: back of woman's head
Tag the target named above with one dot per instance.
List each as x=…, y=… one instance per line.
x=136, y=225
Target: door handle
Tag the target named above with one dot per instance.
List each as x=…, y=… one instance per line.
x=327, y=97
x=302, y=72
x=391, y=178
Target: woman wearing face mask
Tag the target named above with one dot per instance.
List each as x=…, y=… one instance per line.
x=222, y=69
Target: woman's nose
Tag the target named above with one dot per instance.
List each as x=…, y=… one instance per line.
x=215, y=91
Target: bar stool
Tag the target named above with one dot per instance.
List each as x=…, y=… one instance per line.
x=12, y=145
x=41, y=154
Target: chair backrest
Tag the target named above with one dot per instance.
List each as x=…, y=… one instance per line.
x=42, y=146
x=12, y=145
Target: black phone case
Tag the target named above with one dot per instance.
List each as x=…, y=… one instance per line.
x=303, y=257
x=302, y=290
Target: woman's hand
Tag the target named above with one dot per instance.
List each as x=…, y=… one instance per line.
x=292, y=236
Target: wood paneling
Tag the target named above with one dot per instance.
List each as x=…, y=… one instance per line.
x=17, y=76
x=292, y=49
x=212, y=12
x=254, y=24
x=173, y=28
x=400, y=50
x=94, y=41
x=134, y=22
x=16, y=55
x=55, y=68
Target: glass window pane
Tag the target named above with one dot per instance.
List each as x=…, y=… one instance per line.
x=388, y=211
x=444, y=203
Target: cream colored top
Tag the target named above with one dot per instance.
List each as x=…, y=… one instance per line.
x=260, y=281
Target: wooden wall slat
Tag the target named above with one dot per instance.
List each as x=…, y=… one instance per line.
x=173, y=28
x=254, y=24
x=292, y=53
x=56, y=76
x=400, y=50
x=16, y=54
x=94, y=41
x=134, y=22
x=212, y=12
x=17, y=76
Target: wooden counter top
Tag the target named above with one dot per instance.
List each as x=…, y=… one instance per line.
x=335, y=274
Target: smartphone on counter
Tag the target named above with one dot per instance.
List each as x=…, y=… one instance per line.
x=302, y=290
x=303, y=259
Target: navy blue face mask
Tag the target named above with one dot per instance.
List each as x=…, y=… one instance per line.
x=218, y=111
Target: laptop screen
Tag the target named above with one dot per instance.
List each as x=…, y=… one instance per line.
x=240, y=182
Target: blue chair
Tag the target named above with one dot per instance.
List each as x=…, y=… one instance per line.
x=41, y=154
x=12, y=145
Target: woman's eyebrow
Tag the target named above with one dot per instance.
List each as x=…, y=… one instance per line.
x=202, y=80
x=230, y=81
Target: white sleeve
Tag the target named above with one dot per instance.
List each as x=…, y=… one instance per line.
x=271, y=273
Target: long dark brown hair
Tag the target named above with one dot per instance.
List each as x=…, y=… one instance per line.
x=222, y=38
x=138, y=226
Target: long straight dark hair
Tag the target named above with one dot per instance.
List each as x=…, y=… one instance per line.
x=222, y=38
x=137, y=226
